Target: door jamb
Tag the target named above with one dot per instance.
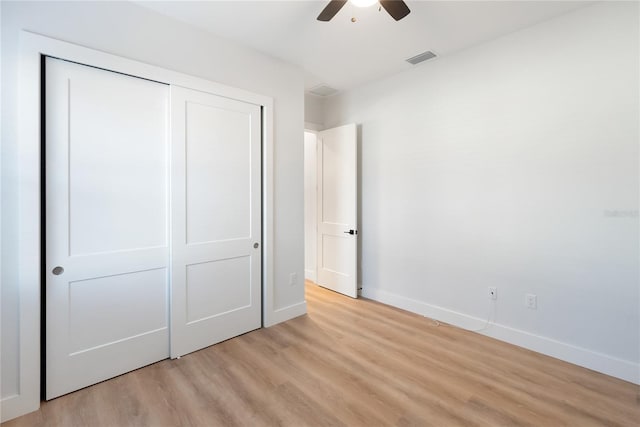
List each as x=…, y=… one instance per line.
x=308, y=129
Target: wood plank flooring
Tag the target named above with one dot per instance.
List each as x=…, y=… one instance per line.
x=354, y=363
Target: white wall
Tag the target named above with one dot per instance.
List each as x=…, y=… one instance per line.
x=512, y=164
x=314, y=111
x=134, y=32
x=310, y=206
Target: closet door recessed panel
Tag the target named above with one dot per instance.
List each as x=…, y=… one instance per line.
x=218, y=180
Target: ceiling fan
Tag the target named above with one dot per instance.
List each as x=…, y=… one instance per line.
x=396, y=8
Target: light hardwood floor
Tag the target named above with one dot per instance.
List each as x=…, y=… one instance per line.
x=356, y=363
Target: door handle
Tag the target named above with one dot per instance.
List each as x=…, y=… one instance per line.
x=352, y=232
x=57, y=270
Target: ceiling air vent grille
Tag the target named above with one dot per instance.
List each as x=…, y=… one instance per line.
x=323, y=90
x=421, y=57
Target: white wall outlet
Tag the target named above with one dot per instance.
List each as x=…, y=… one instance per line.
x=493, y=292
x=293, y=278
x=531, y=301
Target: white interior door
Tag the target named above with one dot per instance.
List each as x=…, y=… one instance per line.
x=216, y=219
x=338, y=210
x=107, y=287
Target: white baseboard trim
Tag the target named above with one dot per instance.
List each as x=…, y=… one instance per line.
x=14, y=406
x=287, y=313
x=609, y=365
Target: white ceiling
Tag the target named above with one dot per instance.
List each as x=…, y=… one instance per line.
x=343, y=54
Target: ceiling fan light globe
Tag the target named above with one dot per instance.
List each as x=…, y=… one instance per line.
x=363, y=3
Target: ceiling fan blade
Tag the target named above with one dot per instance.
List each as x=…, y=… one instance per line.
x=331, y=9
x=396, y=8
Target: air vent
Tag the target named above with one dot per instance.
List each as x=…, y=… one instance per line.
x=323, y=90
x=421, y=57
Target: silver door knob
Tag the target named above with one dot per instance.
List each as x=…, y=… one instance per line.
x=57, y=270
x=256, y=245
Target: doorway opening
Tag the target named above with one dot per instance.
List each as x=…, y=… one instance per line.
x=331, y=208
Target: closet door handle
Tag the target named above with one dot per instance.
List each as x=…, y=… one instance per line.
x=57, y=270
x=352, y=232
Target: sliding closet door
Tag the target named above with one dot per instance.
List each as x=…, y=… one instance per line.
x=107, y=160
x=216, y=219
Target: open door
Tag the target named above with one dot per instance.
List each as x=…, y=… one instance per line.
x=338, y=210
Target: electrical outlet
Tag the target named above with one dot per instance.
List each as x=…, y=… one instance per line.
x=531, y=301
x=293, y=278
x=493, y=292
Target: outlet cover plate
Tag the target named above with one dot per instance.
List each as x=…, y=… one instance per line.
x=531, y=301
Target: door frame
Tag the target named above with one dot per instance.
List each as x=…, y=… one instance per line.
x=314, y=273
x=32, y=48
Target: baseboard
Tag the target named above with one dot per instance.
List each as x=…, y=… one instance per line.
x=287, y=313
x=599, y=362
x=17, y=405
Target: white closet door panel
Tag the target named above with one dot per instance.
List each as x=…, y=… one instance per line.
x=216, y=213
x=207, y=282
x=107, y=176
x=94, y=319
x=218, y=175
